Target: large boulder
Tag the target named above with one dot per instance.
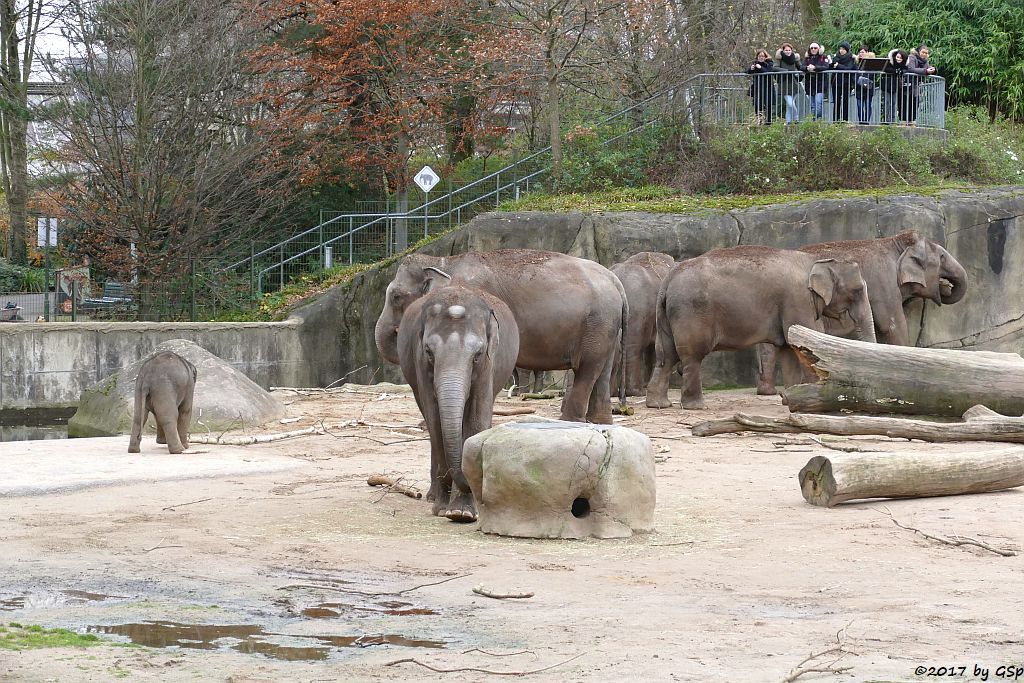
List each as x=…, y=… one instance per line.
x=561, y=480
x=224, y=397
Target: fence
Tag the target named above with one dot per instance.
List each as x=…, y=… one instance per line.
x=867, y=98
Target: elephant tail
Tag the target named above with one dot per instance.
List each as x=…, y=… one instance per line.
x=622, y=344
x=662, y=328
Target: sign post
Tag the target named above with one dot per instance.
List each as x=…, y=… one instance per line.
x=426, y=179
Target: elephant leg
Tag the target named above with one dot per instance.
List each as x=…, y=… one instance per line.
x=184, y=422
x=479, y=415
x=161, y=436
x=691, y=396
x=794, y=371
x=599, y=408
x=766, y=369
x=666, y=358
x=540, y=381
x=167, y=419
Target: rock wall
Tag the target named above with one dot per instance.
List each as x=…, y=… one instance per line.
x=49, y=364
x=981, y=228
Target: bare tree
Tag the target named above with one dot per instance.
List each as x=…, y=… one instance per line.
x=162, y=150
x=21, y=23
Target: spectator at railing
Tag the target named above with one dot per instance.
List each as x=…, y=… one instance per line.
x=787, y=63
x=844, y=67
x=865, y=87
x=892, y=80
x=762, y=86
x=918, y=67
x=815, y=63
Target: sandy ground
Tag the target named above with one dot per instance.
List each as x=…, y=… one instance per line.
x=308, y=574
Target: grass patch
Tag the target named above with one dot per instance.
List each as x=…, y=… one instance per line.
x=724, y=387
x=18, y=637
x=661, y=199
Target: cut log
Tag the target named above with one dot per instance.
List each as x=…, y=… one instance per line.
x=832, y=479
x=980, y=424
x=877, y=378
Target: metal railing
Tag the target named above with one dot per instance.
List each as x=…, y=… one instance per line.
x=861, y=97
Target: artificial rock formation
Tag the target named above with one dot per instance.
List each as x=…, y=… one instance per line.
x=224, y=397
x=561, y=480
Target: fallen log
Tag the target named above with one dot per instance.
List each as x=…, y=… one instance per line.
x=980, y=424
x=393, y=485
x=878, y=378
x=827, y=480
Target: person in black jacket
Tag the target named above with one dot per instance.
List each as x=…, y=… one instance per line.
x=815, y=64
x=892, y=86
x=762, y=86
x=917, y=69
x=865, y=88
x=843, y=76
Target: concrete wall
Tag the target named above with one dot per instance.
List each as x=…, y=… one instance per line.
x=982, y=229
x=49, y=364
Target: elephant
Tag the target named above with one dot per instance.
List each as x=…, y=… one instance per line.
x=736, y=297
x=164, y=387
x=456, y=346
x=896, y=269
x=641, y=276
x=569, y=311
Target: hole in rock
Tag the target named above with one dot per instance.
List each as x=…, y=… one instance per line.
x=580, y=508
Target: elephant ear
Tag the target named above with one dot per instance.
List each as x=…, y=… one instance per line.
x=822, y=283
x=911, y=265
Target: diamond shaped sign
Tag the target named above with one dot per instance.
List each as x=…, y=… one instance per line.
x=426, y=179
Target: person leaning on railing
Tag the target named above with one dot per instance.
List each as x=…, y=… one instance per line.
x=892, y=80
x=787, y=63
x=865, y=87
x=815, y=63
x=918, y=66
x=762, y=86
x=843, y=77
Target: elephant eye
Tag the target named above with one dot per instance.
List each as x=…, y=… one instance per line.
x=477, y=356
x=429, y=354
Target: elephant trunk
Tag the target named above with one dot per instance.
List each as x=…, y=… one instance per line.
x=864, y=320
x=386, y=335
x=452, y=394
x=957, y=277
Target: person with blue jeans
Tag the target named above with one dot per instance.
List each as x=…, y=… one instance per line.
x=787, y=63
x=815, y=64
x=865, y=88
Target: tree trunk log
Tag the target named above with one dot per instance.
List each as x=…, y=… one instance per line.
x=833, y=479
x=980, y=424
x=877, y=378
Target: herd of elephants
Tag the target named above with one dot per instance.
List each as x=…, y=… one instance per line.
x=459, y=326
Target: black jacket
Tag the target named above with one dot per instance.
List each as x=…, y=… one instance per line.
x=762, y=87
x=846, y=67
x=814, y=83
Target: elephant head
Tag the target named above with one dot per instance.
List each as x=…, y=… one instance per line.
x=837, y=287
x=417, y=275
x=928, y=271
x=461, y=335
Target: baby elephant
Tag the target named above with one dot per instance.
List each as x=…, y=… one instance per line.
x=164, y=387
x=456, y=345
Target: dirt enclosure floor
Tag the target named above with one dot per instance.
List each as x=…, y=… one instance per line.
x=305, y=573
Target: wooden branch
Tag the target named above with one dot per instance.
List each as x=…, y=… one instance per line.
x=978, y=425
x=956, y=541
x=393, y=486
x=880, y=378
x=827, y=481
x=311, y=586
x=259, y=438
x=480, y=590
x=504, y=412
x=410, y=660
x=839, y=650
x=539, y=397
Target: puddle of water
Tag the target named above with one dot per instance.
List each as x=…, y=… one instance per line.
x=34, y=424
x=326, y=610
x=248, y=638
x=47, y=599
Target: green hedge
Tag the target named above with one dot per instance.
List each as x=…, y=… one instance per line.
x=20, y=279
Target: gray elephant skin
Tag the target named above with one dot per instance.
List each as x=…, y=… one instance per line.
x=641, y=276
x=164, y=387
x=456, y=346
x=734, y=298
x=896, y=270
x=569, y=312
